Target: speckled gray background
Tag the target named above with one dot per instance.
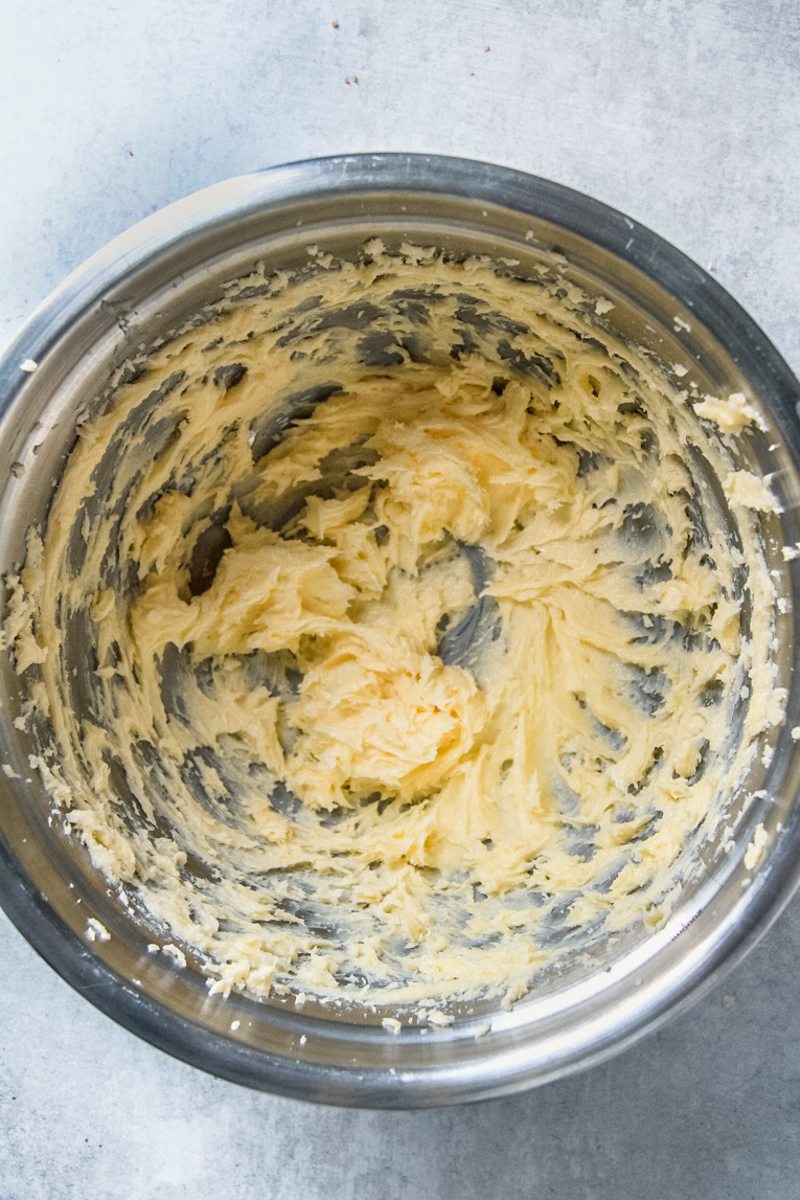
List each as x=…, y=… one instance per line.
x=683, y=114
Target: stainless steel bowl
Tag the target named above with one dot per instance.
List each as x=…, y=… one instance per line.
x=150, y=279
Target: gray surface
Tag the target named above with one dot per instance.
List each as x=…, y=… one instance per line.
x=685, y=115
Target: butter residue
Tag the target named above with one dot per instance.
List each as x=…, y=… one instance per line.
x=746, y=490
x=755, y=848
x=439, y=1019
x=731, y=415
x=175, y=953
x=388, y=642
x=96, y=931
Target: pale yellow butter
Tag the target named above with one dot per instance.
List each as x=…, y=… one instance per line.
x=323, y=795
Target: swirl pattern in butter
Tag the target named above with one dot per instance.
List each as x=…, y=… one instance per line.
x=394, y=632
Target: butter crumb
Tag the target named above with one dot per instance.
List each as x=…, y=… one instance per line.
x=680, y=370
x=680, y=324
x=96, y=931
x=322, y=257
x=417, y=254
x=175, y=953
x=796, y=733
x=439, y=1019
x=9, y=772
x=603, y=305
x=28, y=365
x=392, y=1024
x=745, y=490
x=235, y=1025
x=731, y=415
x=755, y=850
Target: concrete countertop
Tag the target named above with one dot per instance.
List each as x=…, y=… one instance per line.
x=684, y=114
